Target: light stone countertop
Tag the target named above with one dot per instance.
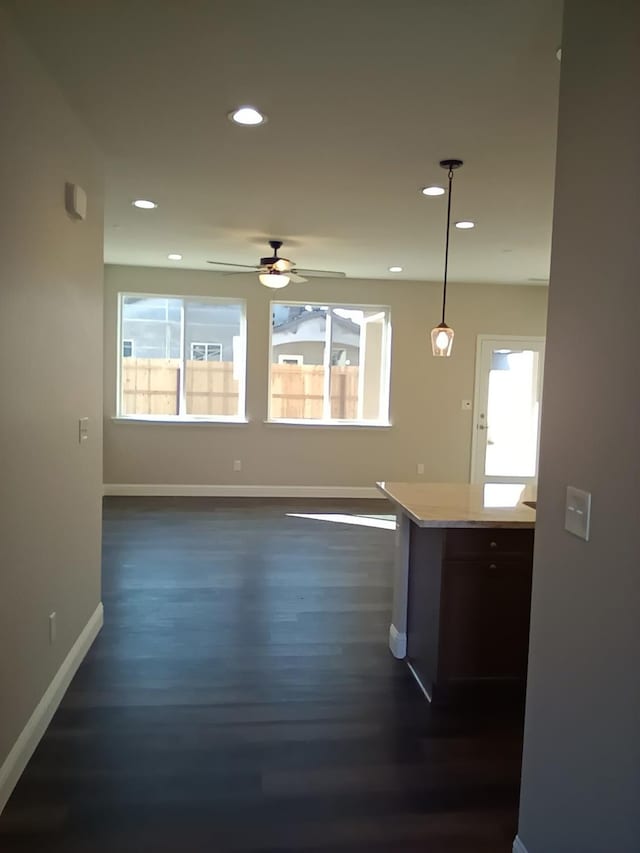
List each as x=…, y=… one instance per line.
x=463, y=504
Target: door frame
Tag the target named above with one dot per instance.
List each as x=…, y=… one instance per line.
x=478, y=392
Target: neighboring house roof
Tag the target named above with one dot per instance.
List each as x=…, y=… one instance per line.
x=310, y=317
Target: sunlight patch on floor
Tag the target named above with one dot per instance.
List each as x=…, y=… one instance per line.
x=384, y=522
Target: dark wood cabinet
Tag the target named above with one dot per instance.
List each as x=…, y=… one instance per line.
x=469, y=605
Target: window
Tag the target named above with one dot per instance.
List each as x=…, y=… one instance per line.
x=330, y=364
x=189, y=358
x=206, y=352
x=290, y=359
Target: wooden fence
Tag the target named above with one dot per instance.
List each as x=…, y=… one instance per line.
x=297, y=391
x=151, y=386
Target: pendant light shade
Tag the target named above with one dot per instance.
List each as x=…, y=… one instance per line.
x=442, y=335
x=442, y=340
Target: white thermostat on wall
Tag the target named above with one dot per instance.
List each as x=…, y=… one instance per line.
x=75, y=201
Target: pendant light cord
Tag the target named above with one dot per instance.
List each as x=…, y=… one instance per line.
x=446, y=248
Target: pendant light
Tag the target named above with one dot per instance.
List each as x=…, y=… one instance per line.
x=442, y=335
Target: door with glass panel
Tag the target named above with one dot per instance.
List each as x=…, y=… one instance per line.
x=506, y=412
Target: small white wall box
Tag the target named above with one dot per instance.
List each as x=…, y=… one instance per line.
x=75, y=199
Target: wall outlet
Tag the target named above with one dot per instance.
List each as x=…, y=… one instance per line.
x=420, y=467
x=237, y=464
x=466, y=405
x=83, y=430
x=52, y=628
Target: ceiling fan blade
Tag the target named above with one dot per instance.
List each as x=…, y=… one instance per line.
x=295, y=278
x=283, y=265
x=321, y=273
x=236, y=272
x=225, y=264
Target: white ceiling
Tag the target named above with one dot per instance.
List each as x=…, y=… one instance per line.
x=364, y=97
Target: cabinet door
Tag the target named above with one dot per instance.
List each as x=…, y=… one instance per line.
x=485, y=619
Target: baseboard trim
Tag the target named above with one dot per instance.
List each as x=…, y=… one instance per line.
x=420, y=683
x=29, y=737
x=233, y=491
x=518, y=846
x=397, y=643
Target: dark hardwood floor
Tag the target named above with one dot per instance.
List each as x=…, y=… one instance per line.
x=241, y=697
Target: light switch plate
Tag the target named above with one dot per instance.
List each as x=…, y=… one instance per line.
x=577, y=515
x=83, y=430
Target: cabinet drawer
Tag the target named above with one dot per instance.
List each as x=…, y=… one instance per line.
x=474, y=543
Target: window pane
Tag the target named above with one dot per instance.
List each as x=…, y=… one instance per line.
x=350, y=342
x=373, y=400
x=345, y=361
x=215, y=358
x=297, y=361
x=512, y=414
x=150, y=380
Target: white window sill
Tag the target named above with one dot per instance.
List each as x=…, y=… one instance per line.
x=329, y=424
x=151, y=419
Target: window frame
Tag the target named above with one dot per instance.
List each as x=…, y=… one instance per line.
x=205, y=344
x=385, y=370
x=283, y=358
x=183, y=417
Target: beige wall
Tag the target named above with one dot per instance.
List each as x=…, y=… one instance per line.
x=51, y=354
x=428, y=423
x=581, y=772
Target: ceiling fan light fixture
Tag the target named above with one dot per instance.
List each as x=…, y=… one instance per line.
x=274, y=279
x=274, y=271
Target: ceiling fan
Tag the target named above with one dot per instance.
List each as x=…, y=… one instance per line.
x=274, y=271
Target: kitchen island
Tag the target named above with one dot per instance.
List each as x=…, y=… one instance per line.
x=462, y=584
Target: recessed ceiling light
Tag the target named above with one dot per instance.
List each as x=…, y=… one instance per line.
x=432, y=191
x=174, y=256
x=395, y=269
x=144, y=204
x=465, y=224
x=247, y=115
